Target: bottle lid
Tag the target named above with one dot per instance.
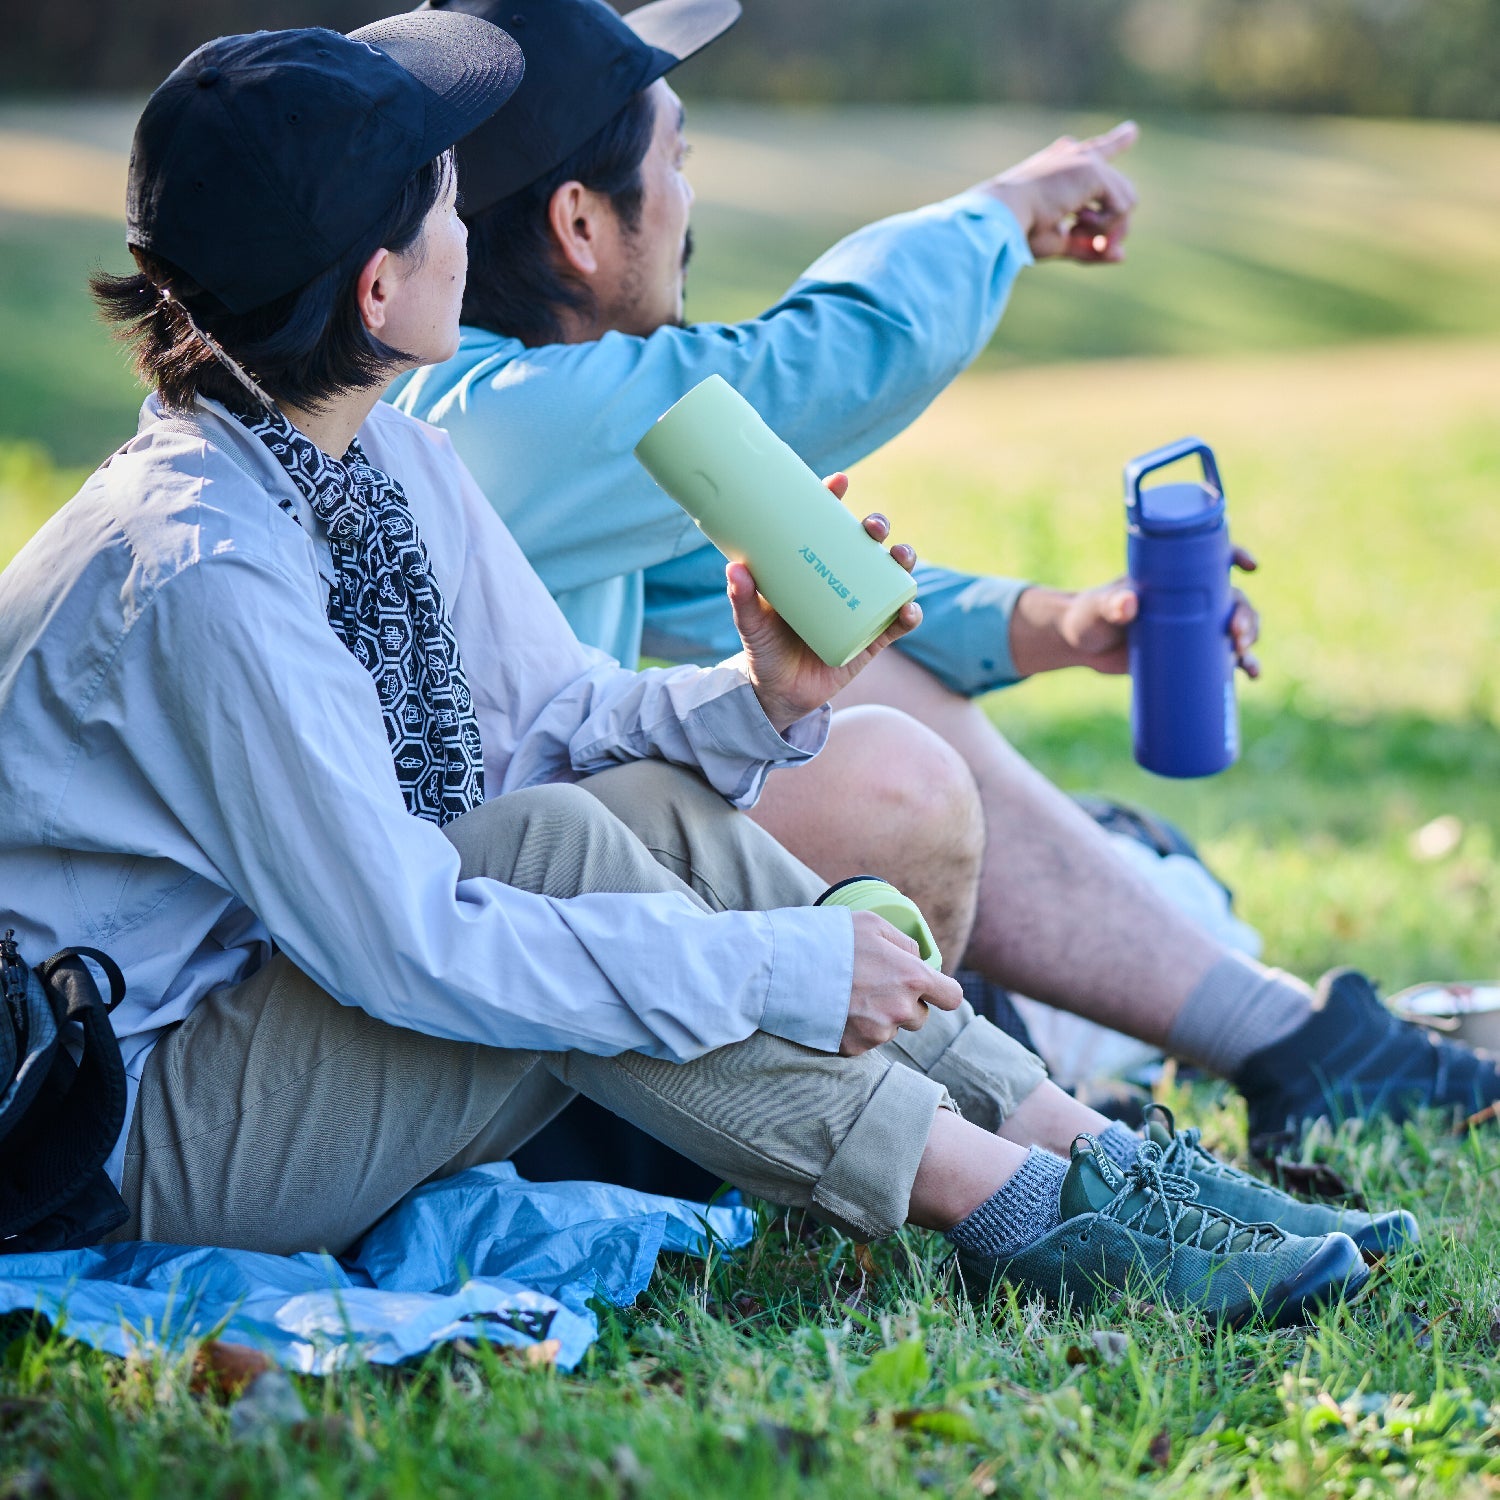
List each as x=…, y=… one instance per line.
x=1178, y=509
x=871, y=893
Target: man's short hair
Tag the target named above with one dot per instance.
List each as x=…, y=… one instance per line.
x=516, y=285
x=302, y=348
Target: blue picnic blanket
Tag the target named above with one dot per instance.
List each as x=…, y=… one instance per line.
x=483, y=1255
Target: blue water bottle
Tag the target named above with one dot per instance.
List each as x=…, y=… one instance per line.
x=1183, y=715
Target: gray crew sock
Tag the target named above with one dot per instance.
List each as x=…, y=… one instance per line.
x=1020, y=1213
x=1238, y=1008
x=1121, y=1144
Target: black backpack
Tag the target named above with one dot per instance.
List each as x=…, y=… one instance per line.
x=59, y=1119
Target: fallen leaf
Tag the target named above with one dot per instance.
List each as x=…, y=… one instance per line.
x=1160, y=1451
x=1313, y=1180
x=221, y=1371
x=865, y=1260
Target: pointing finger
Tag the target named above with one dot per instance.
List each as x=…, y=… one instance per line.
x=1113, y=142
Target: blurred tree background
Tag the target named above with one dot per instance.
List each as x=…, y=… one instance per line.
x=1366, y=57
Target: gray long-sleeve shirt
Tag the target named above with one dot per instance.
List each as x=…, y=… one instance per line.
x=194, y=768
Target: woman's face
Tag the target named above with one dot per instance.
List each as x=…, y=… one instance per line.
x=425, y=285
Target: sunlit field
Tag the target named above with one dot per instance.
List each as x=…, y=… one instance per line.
x=1320, y=300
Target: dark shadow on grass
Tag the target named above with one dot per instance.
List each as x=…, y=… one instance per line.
x=1300, y=772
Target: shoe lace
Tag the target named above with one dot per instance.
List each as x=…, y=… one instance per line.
x=1187, y=1150
x=1151, y=1190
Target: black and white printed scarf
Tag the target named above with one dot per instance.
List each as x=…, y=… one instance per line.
x=386, y=608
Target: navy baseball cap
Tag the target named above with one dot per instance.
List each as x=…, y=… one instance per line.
x=265, y=158
x=583, y=63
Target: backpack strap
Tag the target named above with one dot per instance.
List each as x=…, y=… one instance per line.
x=51, y=1162
x=49, y=966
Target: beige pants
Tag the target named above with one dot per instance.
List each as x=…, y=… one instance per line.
x=275, y=1118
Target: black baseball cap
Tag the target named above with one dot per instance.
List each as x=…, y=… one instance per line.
x=583, y=63
x=265, y=158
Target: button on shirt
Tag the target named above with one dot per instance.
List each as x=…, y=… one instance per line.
x=852, y=354
x=194, y=770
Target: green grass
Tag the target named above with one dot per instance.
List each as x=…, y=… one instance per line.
x=804, y=1367
x=1318, y=299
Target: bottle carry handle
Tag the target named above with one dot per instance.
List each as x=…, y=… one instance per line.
x=1148, y=463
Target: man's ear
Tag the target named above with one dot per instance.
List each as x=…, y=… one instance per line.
x=373, y=290
x=575, y=216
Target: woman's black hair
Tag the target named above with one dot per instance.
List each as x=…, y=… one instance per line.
x=516, y=286
x=302, y=348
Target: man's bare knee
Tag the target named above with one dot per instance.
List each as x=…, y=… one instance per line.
x=911, y=780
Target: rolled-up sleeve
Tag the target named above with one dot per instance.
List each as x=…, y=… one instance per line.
x=964, y=640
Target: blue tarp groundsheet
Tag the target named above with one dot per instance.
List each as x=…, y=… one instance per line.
x=483, y=1255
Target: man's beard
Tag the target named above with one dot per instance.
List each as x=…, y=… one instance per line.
x=687, y=255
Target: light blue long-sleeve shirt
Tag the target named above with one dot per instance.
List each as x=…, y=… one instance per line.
x=193, y=768
x=852, y=354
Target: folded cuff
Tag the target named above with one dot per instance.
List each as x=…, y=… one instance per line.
x=866, y=1190
x=987, y=1073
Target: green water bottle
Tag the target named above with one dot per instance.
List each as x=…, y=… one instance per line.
x=871, y=893
x=759, y=504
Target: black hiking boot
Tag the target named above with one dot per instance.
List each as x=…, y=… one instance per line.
x=1352, y=1058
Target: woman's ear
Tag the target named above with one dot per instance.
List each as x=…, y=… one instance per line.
x=374, y=289
x=574, y=216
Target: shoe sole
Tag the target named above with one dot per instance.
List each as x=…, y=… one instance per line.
x=1334, y=1273
x=1391, y=1234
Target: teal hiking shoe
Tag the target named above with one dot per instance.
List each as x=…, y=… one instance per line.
x=1142, y=1231
x=1247, y=1198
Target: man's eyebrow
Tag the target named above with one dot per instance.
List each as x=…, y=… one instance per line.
x=681, y=117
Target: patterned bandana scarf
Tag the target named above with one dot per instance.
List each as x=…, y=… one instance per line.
x=387, y=610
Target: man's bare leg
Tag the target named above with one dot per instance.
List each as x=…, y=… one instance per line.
x=887, y=797
x=1061, y=917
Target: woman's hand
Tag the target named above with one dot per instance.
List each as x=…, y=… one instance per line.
x=788, y=676
x=892, y=987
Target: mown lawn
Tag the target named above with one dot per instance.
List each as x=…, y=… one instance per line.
x=1362, y=462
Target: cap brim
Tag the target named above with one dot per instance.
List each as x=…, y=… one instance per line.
x=682, y=27
x=471, y=67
